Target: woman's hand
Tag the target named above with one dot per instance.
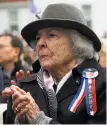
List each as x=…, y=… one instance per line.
x=20, y=75
x=24, y=104
x=8, y=91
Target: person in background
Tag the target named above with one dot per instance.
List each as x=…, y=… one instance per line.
x=28, y=58
x=70, y=84
x=103, y=52
x=11, y=48
x=4, y=82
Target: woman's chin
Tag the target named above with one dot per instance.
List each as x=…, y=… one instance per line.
x=46, y=65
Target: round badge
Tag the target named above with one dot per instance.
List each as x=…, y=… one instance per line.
x=90, y=73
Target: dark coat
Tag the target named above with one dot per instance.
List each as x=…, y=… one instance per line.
x=65, y=96
x=4, y=82
x=1, y=80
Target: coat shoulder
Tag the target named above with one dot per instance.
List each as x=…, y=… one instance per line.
x=102, y=77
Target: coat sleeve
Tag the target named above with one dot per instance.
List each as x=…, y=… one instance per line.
x=40, y=118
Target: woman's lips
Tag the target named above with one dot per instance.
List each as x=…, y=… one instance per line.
x=43, y=56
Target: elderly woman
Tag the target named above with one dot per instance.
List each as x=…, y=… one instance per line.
x=69, y=87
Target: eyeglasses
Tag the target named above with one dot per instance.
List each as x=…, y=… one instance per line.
x=4, y=46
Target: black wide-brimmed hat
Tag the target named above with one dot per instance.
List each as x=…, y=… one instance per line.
x=64, y=16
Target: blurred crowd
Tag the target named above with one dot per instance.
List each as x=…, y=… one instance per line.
x=15, y=55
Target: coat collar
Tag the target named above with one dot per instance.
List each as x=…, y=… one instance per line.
x=67, y=89
x=36, y=66
x=88, y=63
x=70, y=86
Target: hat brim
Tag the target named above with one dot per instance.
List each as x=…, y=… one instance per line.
x=29, y=31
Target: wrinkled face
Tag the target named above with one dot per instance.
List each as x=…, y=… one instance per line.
x=54, y=48
x=7, y=52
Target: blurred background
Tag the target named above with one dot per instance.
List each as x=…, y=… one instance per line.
x=15, y=14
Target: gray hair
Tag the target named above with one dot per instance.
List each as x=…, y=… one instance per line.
x=82, y=47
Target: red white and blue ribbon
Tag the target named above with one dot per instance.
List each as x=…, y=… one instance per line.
x=78, y=98
x=87, y=89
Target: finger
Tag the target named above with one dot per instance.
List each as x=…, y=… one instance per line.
x=20, y=75
x=27, y=73
x=17, y=76
x=19, y=106
x=21, y=113
x=7, y=92
x=16, y=88
x=13, y=82
x=19, y=99
x=17, y=95
x=22, y=105
x=28, y=93
x=31, y=99
x=15, y=110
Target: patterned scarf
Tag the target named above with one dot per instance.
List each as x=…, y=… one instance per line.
x=45, y=80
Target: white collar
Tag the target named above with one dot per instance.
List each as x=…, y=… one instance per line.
x=63, y=80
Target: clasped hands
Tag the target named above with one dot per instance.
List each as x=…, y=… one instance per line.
x=23, y=103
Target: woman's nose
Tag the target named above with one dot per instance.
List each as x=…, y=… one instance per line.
x=41, y=42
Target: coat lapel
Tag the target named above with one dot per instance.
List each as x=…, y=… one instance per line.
x=67, y=89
